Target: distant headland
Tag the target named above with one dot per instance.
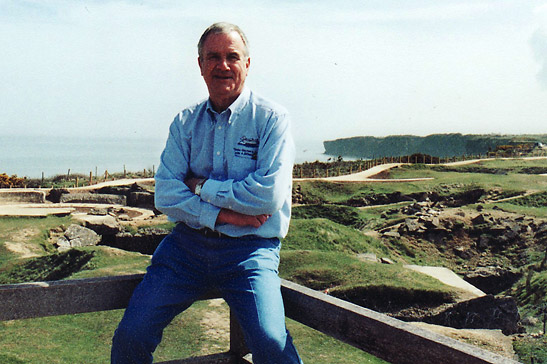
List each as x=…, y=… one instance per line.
x=437, y=145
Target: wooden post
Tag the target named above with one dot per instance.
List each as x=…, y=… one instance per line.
x=90, y=178
x=237, y=341
x=124, y=172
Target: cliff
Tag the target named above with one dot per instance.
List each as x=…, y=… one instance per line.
x=438, y=145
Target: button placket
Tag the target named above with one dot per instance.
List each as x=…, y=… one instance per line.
x=218, y=145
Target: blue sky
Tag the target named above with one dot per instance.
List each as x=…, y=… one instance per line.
x=344, y=68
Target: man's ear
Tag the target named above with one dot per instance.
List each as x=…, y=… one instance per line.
x=248, y=63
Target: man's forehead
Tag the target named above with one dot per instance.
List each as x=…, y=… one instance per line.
x=224, y=42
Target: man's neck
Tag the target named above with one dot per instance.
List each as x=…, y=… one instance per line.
x=220, y=105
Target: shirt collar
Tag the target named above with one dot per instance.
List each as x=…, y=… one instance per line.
x=236, y=106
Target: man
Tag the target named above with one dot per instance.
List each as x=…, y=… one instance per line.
x=225, y=177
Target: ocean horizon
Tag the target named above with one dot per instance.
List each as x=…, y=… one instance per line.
x=32, y=156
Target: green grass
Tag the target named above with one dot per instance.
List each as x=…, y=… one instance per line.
x=325, y=235
x=469, y=179
x=344, y=215
x=533, y=296
x=108, y=261
x=46, y=268
x=537, y=200
x=540, y=212
x=456, y=179
x=531, y=350
x=86, y=338
x=32, y=230
x=320, y=270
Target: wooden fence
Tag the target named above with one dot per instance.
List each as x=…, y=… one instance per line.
x=385, y=337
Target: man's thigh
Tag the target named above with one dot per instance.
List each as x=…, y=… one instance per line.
x=170, y=285
x=254, y=294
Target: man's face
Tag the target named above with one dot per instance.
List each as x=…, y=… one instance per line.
x=224, y=67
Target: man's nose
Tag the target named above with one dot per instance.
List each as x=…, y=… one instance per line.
x=223, y=64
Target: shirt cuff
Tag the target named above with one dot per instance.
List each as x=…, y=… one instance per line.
x=211, y=188
x=209, y=215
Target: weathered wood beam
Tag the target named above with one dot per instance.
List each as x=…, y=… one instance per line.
x=221, y=358
x=387, y=338
x=39, y=299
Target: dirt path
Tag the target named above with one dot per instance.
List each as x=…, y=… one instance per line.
x=216, y=325
x=365, y=176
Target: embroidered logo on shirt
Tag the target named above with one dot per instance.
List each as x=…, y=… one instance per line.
x=247, y=148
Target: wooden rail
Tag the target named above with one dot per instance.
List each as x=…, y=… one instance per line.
x=385, y=337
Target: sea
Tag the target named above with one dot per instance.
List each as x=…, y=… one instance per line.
x=37, y=156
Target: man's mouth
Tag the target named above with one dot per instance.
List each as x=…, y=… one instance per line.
x=219, y=77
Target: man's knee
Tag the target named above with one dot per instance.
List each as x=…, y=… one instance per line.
x=273, y=340
x=134, y=333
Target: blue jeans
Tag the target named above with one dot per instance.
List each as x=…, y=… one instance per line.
x=186, y=265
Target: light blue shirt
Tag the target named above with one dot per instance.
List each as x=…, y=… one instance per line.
x=247, y=155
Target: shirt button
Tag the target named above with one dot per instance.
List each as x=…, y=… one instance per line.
x=218, y=153
x=219, y=127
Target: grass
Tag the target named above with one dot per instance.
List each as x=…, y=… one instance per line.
x=108, y=261
x=536, y=200
x=540, y=212
x=325, y=235
x=531, y=350
x=344, y=215
x=86, y=338
x=321, y=270
x=463, y=178
x=33, y=231
x=46, y=268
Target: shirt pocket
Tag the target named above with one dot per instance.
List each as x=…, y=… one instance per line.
x=244, y=156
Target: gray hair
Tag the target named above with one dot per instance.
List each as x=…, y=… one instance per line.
x=222, y=28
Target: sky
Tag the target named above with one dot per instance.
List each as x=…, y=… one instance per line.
x=114, y=68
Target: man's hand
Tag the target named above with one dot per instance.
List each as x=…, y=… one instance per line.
x=192, y=182
x=226, y=216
